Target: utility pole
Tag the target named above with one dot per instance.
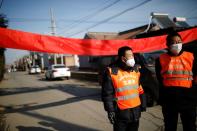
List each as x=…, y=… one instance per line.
x=34, y=59
x=53, y=31
x=53, y=25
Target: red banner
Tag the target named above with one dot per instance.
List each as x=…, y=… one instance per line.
x=52, y=44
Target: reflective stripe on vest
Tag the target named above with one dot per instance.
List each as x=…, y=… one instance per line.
x=127, y=97
x=177, y=70
x=178, y=78
x=127, y=88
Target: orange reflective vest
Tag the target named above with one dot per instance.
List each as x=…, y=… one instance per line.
x=127, y=88
x=177, y=70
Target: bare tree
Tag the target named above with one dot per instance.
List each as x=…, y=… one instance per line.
x=3, y=24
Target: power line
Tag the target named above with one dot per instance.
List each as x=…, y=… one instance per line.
x=1, y=4
x=80, y=20
x=28, y=19
x=66, y=20
x=112, y=17
x=83, y=19
x=111, y=22
x=87, y=15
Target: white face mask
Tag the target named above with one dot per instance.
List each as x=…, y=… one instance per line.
x=130, y=62
x=176, y=48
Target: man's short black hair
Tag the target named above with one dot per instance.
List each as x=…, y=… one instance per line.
x=170, y=36
x=122, y=50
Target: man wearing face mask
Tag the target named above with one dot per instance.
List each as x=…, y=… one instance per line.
x=122, y=94
x=176, y=71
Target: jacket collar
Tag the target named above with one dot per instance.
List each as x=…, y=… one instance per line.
x=171, y=54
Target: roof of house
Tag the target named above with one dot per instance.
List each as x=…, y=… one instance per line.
x=101, y=35
x=128, y=34
x=162, y=26
x=162, y=31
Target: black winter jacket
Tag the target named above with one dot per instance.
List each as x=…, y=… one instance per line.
x=108, y=94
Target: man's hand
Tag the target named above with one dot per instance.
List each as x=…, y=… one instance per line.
x=111, y=117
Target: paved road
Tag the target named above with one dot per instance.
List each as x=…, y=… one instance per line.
x=33, y=104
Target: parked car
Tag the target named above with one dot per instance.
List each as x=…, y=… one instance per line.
x=57, y=71
x=34, y=69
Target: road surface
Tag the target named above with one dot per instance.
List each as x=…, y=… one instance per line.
x=32, y=103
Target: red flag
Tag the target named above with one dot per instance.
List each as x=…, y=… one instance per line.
x=52, y=44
